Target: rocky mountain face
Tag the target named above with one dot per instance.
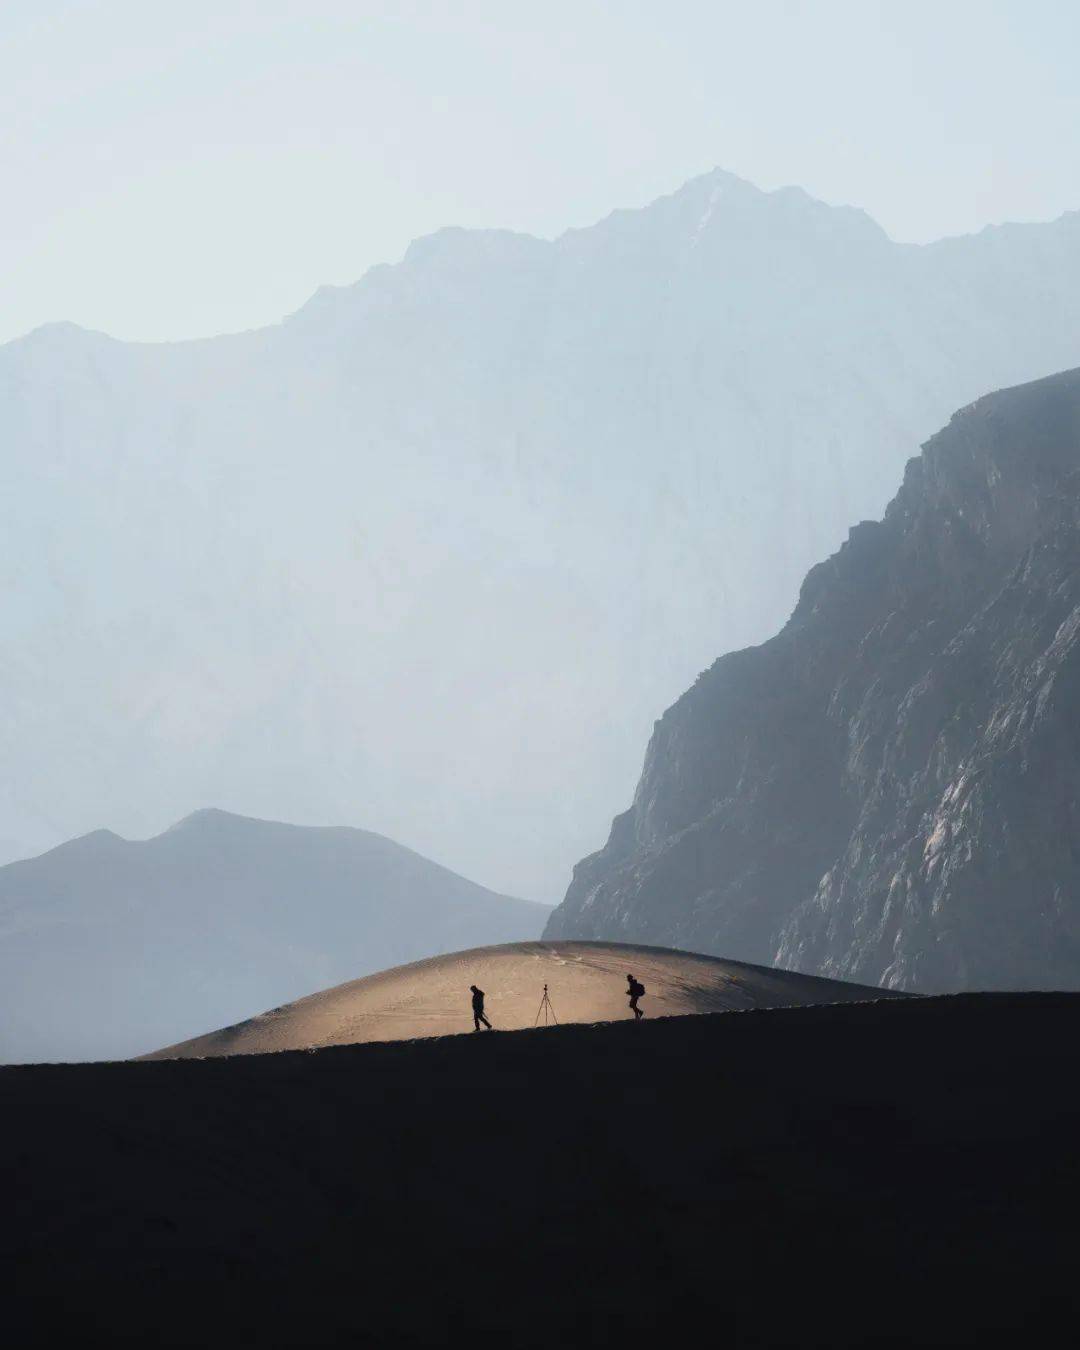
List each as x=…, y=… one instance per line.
x=110, y=946
x=431, y=553
x=889, y=789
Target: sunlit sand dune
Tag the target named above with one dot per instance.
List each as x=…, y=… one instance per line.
x=586, y=983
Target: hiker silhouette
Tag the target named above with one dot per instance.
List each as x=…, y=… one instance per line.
x=635, y=989
x=478, y=1008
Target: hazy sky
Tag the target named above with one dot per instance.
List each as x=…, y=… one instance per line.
x=179, y=169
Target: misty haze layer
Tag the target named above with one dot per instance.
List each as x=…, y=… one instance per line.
x=432, y=555
x=112, y=946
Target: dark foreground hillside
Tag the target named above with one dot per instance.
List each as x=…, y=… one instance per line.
x=895, y=1173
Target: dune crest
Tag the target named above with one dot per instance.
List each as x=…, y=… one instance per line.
x=586, y=983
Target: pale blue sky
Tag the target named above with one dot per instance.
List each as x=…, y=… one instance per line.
x=180, y=169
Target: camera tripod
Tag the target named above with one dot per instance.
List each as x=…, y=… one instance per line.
x=545, y=1008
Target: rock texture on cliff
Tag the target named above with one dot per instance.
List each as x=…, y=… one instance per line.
x=887, y=791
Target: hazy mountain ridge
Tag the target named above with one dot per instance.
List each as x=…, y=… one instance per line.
x=107, y=944
x=414, y=538
x=886, y=791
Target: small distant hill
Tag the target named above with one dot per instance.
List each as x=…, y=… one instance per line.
x=110, y=946
x=586, y=982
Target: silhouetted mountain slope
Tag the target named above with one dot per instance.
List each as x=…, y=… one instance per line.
x=432, y=552
x=887, y=790
x=111, y=946
x=894, y=1174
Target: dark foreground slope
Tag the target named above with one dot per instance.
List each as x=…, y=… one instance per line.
x=112, y=946
x=895, y=1173
x=888, y=790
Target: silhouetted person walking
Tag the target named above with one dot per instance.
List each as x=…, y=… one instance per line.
x=635, y=989
x=478, y=1008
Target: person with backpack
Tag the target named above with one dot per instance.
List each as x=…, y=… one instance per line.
x=635, y=989
x=478, y=1008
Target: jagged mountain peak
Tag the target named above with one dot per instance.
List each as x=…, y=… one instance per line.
x=456, y=244
x=63, y=336
x=670, y=223
x=96, y=843
x=213, y=820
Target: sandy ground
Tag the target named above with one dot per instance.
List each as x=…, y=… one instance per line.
x=891, y=1174
x=586, y=983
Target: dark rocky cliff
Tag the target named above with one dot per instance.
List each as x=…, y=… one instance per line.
x=887, y=790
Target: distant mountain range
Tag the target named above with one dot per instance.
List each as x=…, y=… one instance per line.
x=888, y=790
x=434, y=551
x=110, y=946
